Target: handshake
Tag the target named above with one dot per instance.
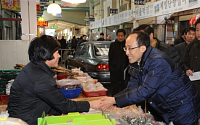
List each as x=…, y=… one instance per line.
x=103, y=103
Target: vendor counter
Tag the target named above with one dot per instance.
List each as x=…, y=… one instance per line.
x=81, y=97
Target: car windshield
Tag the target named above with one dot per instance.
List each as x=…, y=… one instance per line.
x=101, y=49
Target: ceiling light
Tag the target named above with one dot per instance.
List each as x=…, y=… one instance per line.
x=54, y=9
x=75, y=1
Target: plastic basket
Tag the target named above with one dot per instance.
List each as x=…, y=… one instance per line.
x=6, y=75
x=4, y=97
x=61, y=76
x=2, y=91
x=3, y=84
x=76, y=119
x=71, y=93
x=95, y=93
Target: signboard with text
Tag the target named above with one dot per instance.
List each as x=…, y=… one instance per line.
x=165, y=7
x=13, y=5
x=42, y=23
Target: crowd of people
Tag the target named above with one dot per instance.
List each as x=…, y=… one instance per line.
x=143, y=70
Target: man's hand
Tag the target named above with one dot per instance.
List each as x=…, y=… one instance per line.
x=95, y=104
x=189, y=72
x=107, y=102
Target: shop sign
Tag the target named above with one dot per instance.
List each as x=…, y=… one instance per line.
x=11, y=5
x=54, y=27
x=165, y=7
x=113, y=11
x=42, y=23
x=116, y=19
x=139, y=2
x=91, y=19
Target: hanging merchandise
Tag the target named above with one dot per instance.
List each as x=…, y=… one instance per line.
x=192, y=20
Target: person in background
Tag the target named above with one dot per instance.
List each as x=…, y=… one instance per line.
x=191, y=58
x=108, y=37
x=82, y=39
x=189, y=37
x=181, y=39
x=154, y=42
x=34, y=89
x=63, y=46
x=101, y=37
x=157, y=79
x=74, y=43
x=118, y=62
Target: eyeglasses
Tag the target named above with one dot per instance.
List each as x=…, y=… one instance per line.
x=129, y=49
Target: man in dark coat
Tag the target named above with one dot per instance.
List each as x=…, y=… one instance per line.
x=181, y=39
x=34, y=89
x=191, y=59
x=157, y=79
x=81, y=40
x=169, y=50
x=189, y=37
x=101, y=37
x=118, y=62
x=74, y=43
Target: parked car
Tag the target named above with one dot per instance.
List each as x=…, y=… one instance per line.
x=91, y=57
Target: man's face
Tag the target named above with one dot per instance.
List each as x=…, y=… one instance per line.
x=198, y=31
x=84, y=38
x=120, y=36
x=133, y=51
x=190, y=36
x=102, y=36
x=108, y=37
x=54, y=61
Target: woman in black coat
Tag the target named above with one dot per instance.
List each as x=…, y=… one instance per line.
x=34, y=89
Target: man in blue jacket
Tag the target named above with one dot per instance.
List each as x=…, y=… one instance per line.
x=158, y=80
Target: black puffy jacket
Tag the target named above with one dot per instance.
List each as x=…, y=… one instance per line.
x=34, y=91
x=169, y=50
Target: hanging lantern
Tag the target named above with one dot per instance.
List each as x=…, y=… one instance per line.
x=192, y=20
x=54, y=9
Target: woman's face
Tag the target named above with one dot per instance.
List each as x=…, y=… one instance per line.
x=54, y=61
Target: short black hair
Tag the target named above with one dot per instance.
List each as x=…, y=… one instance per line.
x=102, y=34
x=183, y=32
x=83, y=36
x=198, y=21
x=142, y=38
x=42, y=48
x=121, y=30
x=189, y=29
x=146, y=28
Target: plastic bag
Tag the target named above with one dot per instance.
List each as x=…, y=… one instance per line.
x=68, y=84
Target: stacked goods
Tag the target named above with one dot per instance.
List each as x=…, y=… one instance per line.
x=133, y=115
x=5, y=77
x=91, y=87
x=62, y=70
x=19, y=66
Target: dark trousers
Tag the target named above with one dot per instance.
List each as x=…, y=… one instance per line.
x=117, y=83
x=197, y=85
